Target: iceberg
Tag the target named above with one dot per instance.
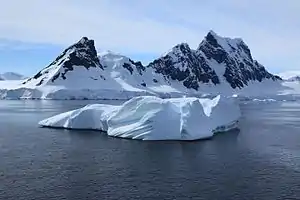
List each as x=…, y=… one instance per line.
x=153, y=118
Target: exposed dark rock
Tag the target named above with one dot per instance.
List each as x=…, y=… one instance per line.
x=39, y=74
x=240, y=68
x=55, y=77
x=184, y=64
x=102, y=77
x=211, y=39
x=95, y=79
x=128, y=67
x=40, y=83
x=192, y=68
x=26, y=81
x=139, y=66
x=246, y=49
x=83, y=53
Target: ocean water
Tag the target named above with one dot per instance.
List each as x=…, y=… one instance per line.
x=260, y=161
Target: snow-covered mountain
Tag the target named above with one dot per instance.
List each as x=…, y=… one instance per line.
x=290, y=75
x=217, y=60
x=109, y=75
x=11, y=76
x=295, y=78
x=79, y=60
x=218, y=65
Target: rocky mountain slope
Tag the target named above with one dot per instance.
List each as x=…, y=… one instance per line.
x=80, y=55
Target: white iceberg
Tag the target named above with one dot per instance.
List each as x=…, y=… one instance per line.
x=153, y=118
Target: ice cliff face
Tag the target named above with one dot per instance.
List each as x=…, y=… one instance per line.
x=217, y=61
x=145, y=118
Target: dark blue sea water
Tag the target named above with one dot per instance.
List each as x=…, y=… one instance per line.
x=262, y=161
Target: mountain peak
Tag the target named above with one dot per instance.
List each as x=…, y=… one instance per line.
x=224, y=46
x=213, y=35
x=217, y=41
x=218, y=60
x=182, y=45
x=84, y=43
x=181, y=48
x=212, y=32
x=211, y=38
x=84, y=39
x=81, y=54
x=235, y=56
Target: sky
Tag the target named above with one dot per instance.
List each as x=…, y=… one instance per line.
x=34, y=32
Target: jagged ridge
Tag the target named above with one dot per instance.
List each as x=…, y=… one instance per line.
x=216, y=61
x=240, y=68
x=184, y=65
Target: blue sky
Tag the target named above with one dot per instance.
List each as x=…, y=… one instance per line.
x=34, y=32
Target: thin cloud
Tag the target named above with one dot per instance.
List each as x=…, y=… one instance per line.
x=270, y=28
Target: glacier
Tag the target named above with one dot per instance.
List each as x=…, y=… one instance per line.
x=267, y=89
x=153, y=118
